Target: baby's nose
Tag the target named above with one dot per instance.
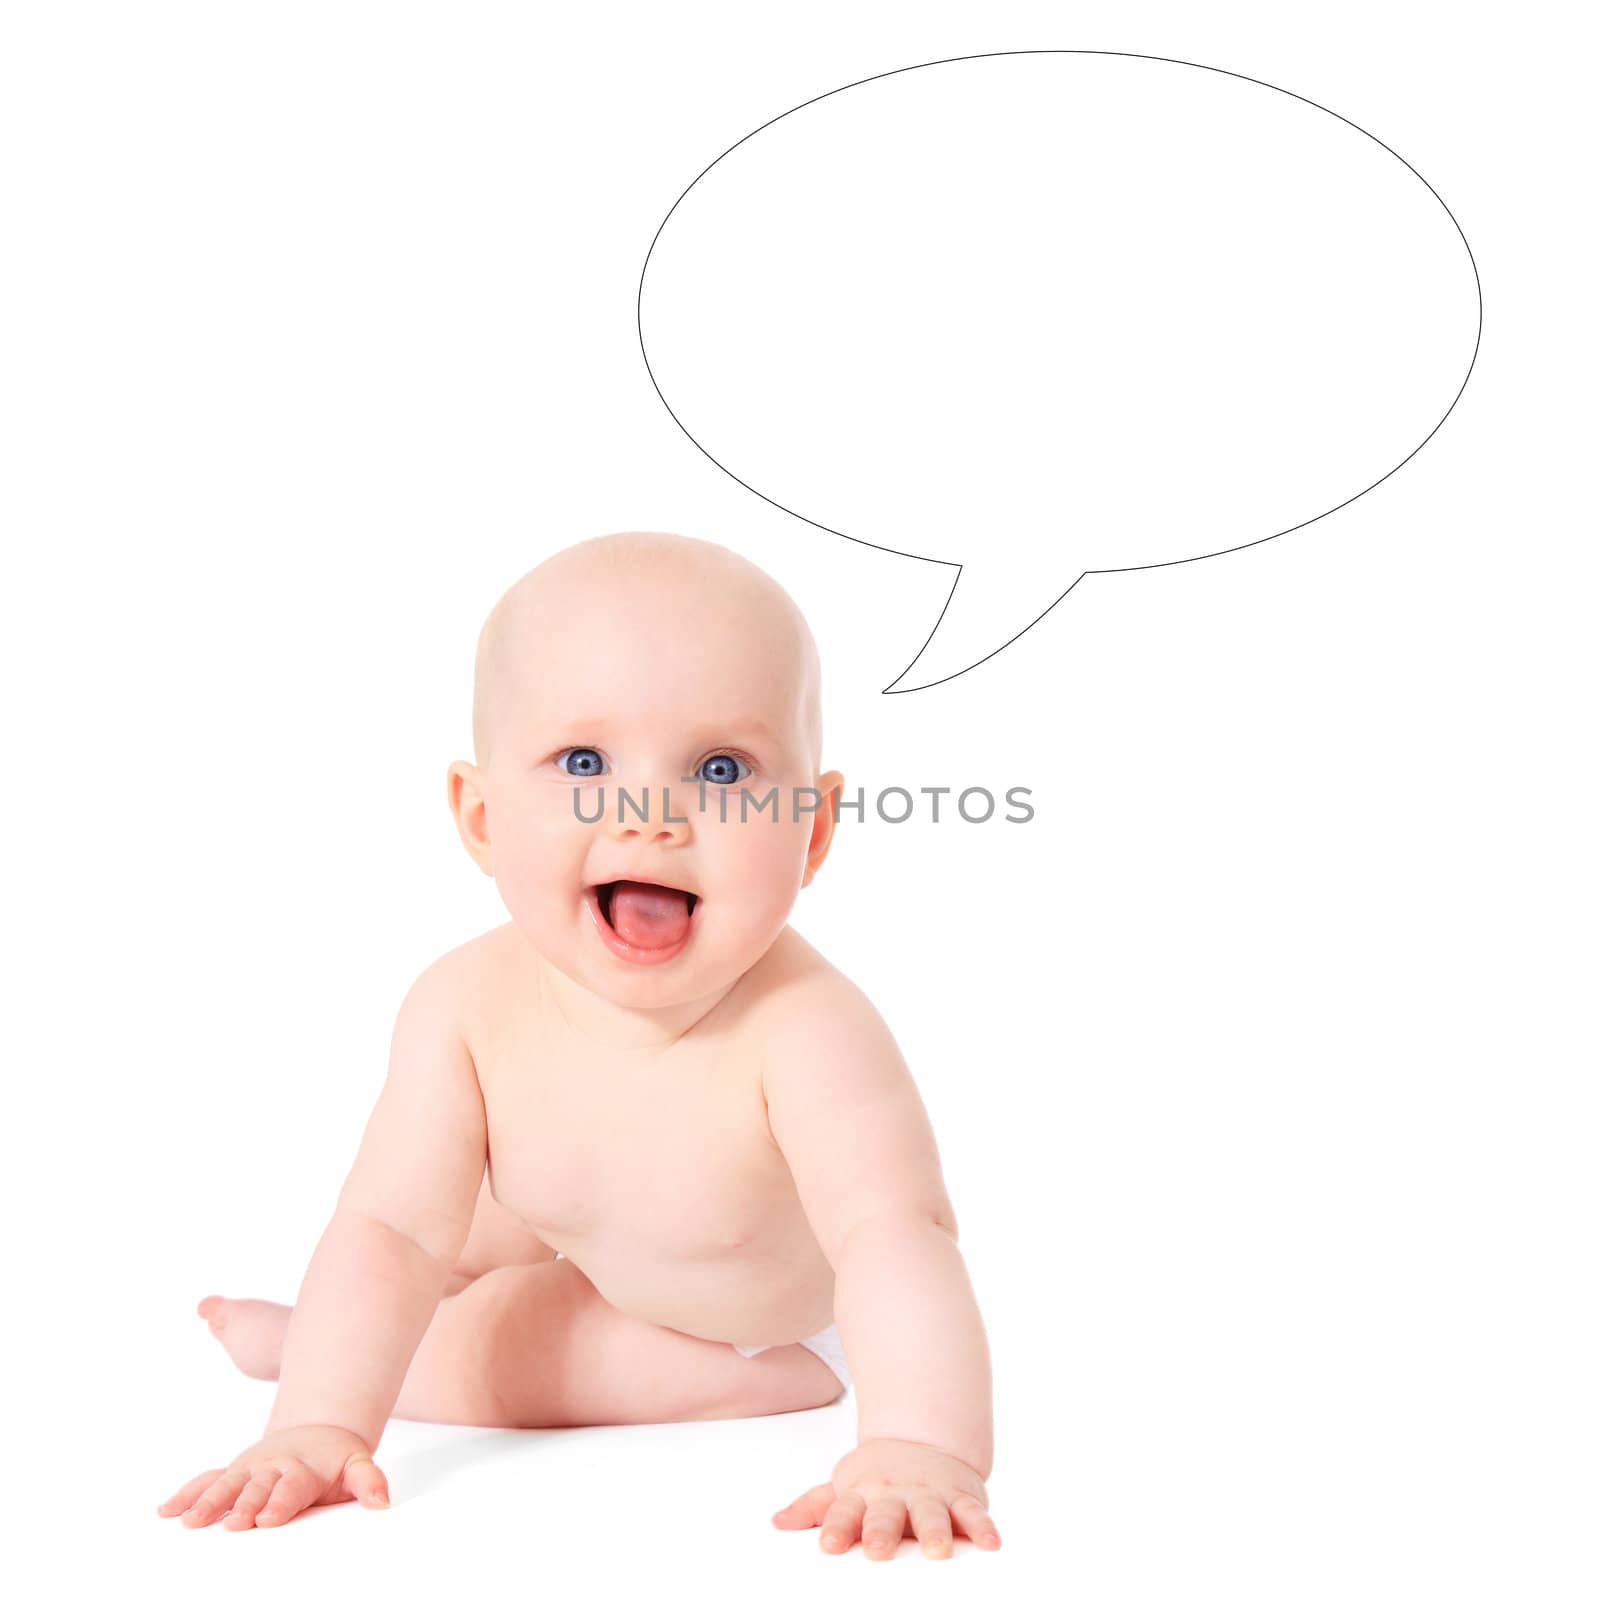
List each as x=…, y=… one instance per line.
x=660, y=812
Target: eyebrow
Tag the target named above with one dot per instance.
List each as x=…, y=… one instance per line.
x=706, y=733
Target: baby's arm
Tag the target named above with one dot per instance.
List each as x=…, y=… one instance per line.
x=844, y=1110
x=375, y=1279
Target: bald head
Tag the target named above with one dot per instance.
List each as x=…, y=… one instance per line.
x=623, y=584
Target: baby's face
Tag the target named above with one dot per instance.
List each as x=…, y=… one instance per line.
x=658, y=692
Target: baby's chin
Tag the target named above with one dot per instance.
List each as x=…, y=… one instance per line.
x=648, y=988
x=574, y=930
x=697, y=969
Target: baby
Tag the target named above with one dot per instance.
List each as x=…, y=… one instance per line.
x=642, y=1154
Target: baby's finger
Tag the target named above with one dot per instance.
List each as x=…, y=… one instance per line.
x=189, y=1493
x=807, y=1511
x=251, y=1501
x=217, y=1498
x=930, y=1525
x=972, y=1518
x=841, y=1526
x=292, y=1493
x=885, y=1521
x=364, y=1478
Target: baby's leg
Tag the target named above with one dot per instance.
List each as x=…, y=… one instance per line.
x=537, y=1347
x=252, y=1330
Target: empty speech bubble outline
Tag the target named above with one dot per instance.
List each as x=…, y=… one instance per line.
x=1098, y=135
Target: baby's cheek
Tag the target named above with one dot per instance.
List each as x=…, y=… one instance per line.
x=530, y=909
x=772, y=860
x=536, y=868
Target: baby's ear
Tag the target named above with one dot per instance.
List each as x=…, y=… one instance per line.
x=465, y=785
x=822, y=824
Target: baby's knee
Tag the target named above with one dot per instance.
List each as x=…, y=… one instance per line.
x=487, y=1343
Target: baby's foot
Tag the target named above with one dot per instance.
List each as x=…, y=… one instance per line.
x=251, y=1332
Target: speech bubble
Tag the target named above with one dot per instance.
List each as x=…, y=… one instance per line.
x=1043, y=313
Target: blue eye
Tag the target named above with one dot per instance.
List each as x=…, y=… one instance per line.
x=584, y=762
x=723, y=769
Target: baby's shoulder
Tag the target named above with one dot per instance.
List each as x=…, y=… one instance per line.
x=797, y=993
x=464, y=981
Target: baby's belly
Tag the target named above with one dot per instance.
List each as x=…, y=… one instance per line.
x=670, y=1197
x=750, y=1297
x=745, y=1269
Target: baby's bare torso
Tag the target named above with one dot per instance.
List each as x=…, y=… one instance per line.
x=654, y=1173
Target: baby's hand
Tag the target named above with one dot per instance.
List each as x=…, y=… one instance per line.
x=882, y=1482
x=275, y=1480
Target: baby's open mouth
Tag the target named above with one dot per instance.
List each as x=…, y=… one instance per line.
x=643, y=919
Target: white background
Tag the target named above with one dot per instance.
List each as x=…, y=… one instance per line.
x=1262, y=1060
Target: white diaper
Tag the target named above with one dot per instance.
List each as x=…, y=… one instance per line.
x=826, y=1346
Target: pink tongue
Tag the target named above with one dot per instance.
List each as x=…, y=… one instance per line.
x=648, y=916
